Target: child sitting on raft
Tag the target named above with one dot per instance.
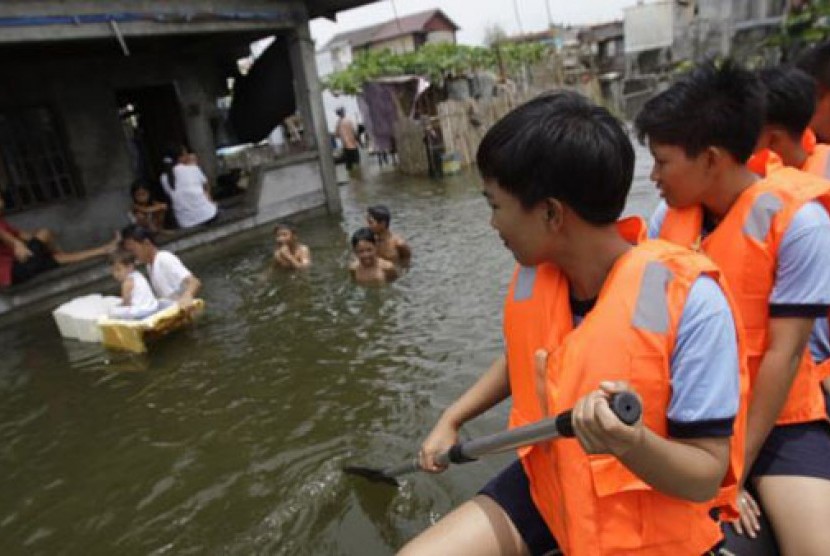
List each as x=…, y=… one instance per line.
x=290, y=253
x=137, y=299
x=369, y=268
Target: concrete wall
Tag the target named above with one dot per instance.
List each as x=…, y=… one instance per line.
x=335, y=58
x=398, y=45
x=441, y=36
x=289, y=188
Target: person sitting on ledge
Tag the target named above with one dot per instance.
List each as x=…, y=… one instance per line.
x=25, y=254
x=170, y=278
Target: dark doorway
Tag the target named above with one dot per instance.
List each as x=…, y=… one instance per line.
x=152, y=121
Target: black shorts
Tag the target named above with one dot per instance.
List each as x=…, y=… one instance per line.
x=510, y=489
x=351, y=157
x=801, y=450
x=764, y=543
x=40, y=261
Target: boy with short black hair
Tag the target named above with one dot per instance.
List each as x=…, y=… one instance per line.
x=816, y=63
x=771, y=239
x=368, y=267
x=613, y=316
x=791, y=102
x=390, y=245
x=171, y=280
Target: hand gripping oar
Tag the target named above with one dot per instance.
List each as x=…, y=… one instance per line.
x=625, y=405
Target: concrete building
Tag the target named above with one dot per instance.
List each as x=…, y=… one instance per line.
x=96, y=89
x=660, y=34
x=404, y=34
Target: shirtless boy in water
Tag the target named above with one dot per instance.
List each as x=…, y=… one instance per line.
x=290, y=253
x=369, y=268
x=390, y=246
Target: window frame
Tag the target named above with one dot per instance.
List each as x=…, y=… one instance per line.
x=52, y=146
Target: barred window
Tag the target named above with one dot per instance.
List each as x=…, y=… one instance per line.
x=33, y=165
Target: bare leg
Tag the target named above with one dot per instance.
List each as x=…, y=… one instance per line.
x=799, y=510
x=63, y=258
x=479, y=526
x=47, y=238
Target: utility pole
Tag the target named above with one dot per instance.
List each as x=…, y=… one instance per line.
x=550, y=19
x=397, y=19
x=518, y=18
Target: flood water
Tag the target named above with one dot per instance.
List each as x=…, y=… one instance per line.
x=228, y=438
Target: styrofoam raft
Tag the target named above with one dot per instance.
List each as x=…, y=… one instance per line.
x=78, y=318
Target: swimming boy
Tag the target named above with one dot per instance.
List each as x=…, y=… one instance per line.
x=369, y=268
x=290, y=253
x=137, y=299
x=613, y=316
x=771, y=240
x=390, y=245
x=168, y=275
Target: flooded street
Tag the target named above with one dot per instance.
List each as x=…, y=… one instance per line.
x=228, y=438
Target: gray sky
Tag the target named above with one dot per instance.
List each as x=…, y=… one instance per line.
x=474, y=16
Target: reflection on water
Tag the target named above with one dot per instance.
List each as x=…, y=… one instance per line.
x=229, y=437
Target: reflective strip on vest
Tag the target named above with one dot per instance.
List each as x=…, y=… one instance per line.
x=760, y=217
x=524, y=283
x=652, y=311
x=826, y=173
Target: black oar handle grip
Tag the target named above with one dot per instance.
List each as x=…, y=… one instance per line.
x=625, y=405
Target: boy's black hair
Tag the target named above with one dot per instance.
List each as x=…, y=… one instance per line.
x=791, y=98
x=713, y=105
x=137, y=233
x=380, y=213
x=561, y=145
x=122, y=256
x=363, y=234
x=140, y=184
x=816, y=63
x=284, y=226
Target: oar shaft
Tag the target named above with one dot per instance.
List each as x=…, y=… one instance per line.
x=625, y=405
x=462, y=452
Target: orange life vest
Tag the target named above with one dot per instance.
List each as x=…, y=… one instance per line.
x=592, y=504
x=745, y=247
x=528, y=308
x=818, y=164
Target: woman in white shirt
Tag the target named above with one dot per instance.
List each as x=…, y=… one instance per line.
x=186, y=185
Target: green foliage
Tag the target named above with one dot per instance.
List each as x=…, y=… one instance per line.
x=435, y=62
x=802, y=27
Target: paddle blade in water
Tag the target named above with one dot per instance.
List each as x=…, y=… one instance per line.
x=374, y=475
